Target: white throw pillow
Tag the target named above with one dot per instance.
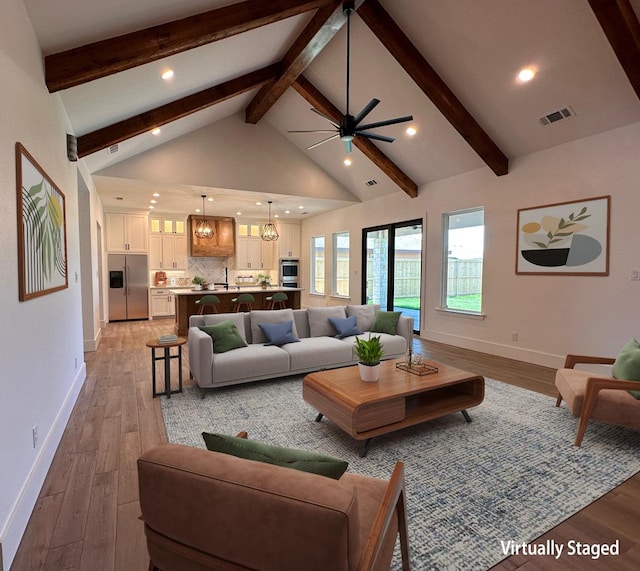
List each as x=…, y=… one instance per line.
x=319, y=324
x=269, y=316
x=365, y=315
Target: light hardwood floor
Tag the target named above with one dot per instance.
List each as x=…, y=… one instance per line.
x=86, y=517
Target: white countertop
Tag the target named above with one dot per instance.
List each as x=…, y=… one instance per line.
x=232, y=290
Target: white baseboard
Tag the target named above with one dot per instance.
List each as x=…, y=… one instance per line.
x=90, y=345
x=19, y=516
x=508, y=351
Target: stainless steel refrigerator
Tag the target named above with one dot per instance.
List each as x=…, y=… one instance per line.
x=128, y=287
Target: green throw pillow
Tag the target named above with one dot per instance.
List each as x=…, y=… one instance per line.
x=386, y=322
x=627, y=364
x=225, y=336
x=286, y=457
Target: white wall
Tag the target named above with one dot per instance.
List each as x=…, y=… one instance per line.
x=40, y=339
x=553, y=315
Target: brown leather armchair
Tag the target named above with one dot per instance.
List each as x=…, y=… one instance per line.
x=206, y=510
x=596, y=397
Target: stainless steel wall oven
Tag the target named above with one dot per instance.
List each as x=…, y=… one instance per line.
x=289, y=272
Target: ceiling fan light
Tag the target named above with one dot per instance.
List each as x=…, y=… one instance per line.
x=203, y=229
x=269, y=230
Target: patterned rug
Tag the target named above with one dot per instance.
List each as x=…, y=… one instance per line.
x=511, y=474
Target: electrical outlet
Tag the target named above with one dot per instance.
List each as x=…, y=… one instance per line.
x=34, y=433
x=635, y=275
x=514, y=336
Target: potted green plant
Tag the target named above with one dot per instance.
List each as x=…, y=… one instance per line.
x=198, y=282
x=264, y=280
x=369, y=352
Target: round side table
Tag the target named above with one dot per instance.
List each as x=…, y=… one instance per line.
x=166, y=356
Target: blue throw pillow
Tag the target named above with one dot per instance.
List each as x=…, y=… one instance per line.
x=345, y=327
x=278, y=333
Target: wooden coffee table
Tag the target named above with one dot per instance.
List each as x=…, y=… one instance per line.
x=399, y=399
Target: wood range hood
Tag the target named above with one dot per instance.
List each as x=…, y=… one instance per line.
x=221, y=245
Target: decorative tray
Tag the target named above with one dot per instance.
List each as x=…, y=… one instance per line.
x=417, y=369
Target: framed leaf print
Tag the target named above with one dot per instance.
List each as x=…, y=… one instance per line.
x=42, y=230
x=567, y=238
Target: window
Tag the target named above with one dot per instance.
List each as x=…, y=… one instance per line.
x=317, y=264
x=341, y=264
x=463, y=242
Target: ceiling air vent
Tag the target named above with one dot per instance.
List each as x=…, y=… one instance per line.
x=556, y=116
x=113, y=149
x=371, y=182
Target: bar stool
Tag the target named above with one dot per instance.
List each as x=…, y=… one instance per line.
x=278, y=300
x=243, y=300
x=207, y=301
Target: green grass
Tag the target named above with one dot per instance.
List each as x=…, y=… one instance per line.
x=472, y=302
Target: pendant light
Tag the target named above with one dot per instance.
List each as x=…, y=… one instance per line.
x=269, y=230
x=203, y=230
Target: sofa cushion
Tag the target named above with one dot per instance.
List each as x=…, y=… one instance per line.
x=225, y=336
x=345, y=327
x=278, y=333
x=319, y=325
x=237, y=318
x=391, y=345
x=627, y=365
x=268, y=316
x=302, y=460
x=250, y=362
x=386, y=322
x=365, y=315
x=317, y=353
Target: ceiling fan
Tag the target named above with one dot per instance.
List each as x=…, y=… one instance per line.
x=350, y=126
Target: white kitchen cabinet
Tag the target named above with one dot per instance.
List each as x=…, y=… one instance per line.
x=289, y=240
x=252, y=252
x=167, y=225
x=126, y=232
x=162, y=303
x=167, y=252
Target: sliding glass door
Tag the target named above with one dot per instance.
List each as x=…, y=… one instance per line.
x=392, y=267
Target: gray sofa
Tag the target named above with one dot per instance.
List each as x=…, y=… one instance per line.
x=317, y=349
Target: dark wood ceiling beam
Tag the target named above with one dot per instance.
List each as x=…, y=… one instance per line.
x=323, y=26
x=144, y=122
x=622, y=28
x=99, y=59
x=307, y=90
x=426, y=78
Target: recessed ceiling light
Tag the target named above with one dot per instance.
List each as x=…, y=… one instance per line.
x=197, y=210
x=155, y=131
x=156, y=194
x=211, y=199
x=151, y=207
x=411, y=131
x=287, y=211
x=526, y=74
x=258, y=203
x=300, y=207
x=167, y=74
x=153, y=201
x=238, y=213
x=347, y=162
x=276, y=216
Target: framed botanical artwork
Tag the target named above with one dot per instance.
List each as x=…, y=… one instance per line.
x=42, y=230
x=566, y=238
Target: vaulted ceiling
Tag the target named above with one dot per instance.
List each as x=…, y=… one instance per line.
x=248, y=72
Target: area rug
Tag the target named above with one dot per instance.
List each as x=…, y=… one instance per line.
x=511, y=474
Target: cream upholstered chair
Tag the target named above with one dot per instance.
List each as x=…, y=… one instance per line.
x=592, y=396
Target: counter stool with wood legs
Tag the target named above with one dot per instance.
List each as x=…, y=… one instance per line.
x=207, y=301
x=243, y=300
x=278, y=300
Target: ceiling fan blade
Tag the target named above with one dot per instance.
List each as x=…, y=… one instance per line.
x=348, y=147
x=323, y=141
x=366, y=110
x=374, y=136
x=315, y=131
x=326, y=117
x=387, y=122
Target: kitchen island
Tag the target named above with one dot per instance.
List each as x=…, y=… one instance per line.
x=185, y=301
